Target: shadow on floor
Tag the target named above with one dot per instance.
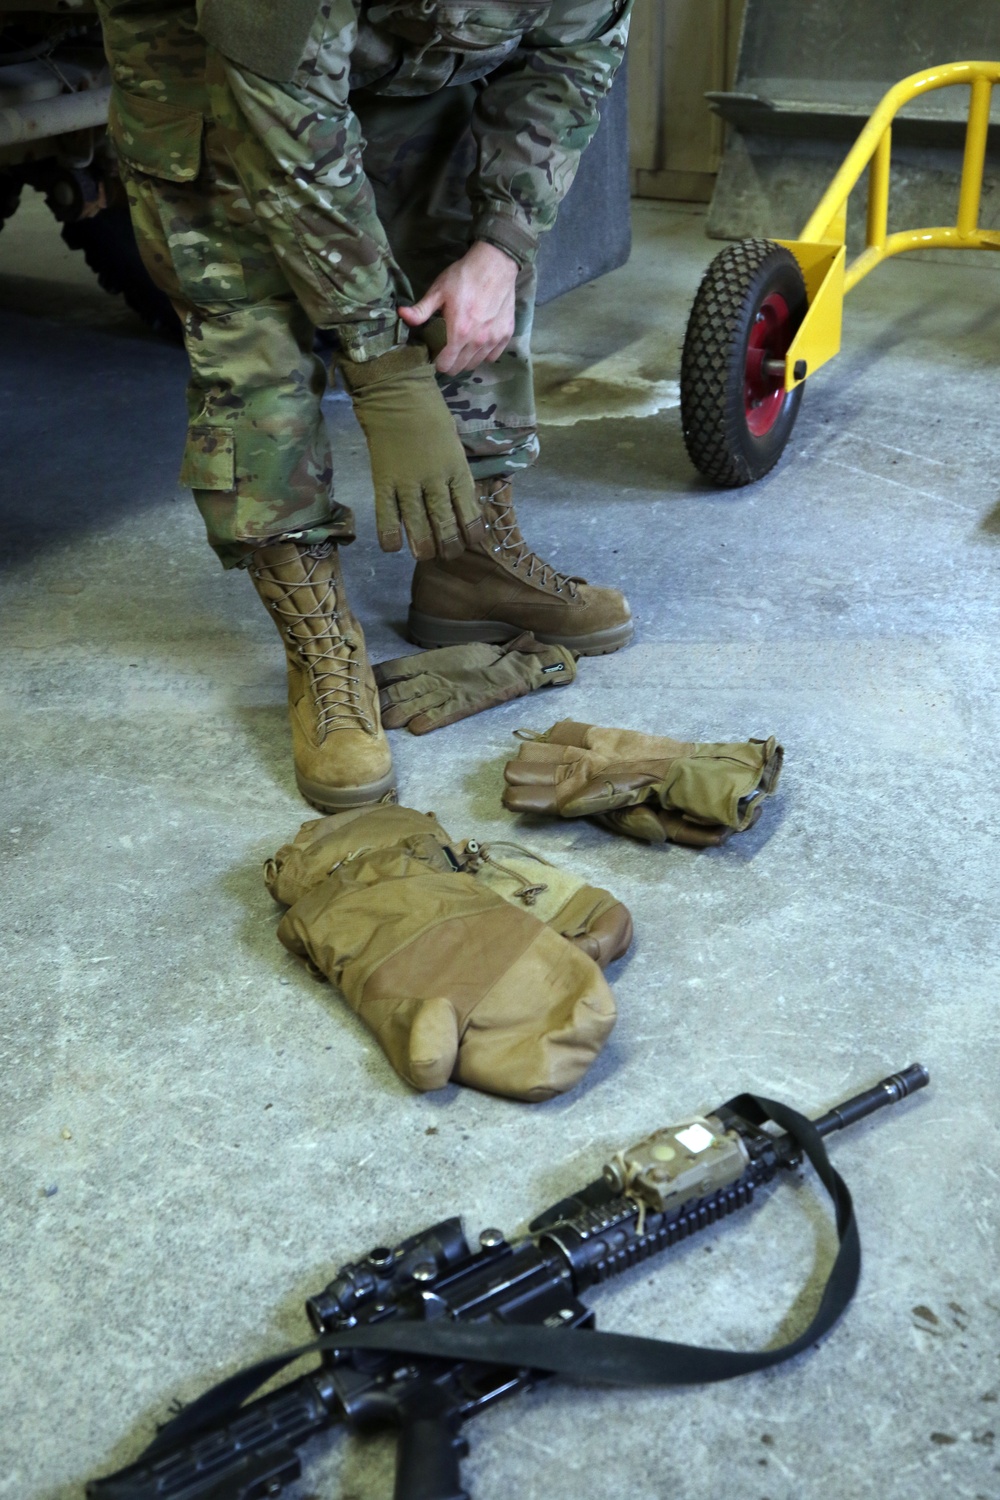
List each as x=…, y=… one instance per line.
x=95, y=431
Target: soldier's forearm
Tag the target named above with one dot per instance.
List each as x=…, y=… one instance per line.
x=532, y=122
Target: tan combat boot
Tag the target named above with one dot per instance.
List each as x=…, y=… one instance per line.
x=499, y=587
x=342, y=757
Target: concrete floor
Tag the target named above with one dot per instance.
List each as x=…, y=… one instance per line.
x=195, y=1132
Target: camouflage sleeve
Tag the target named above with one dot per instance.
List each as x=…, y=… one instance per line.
x=534, y=117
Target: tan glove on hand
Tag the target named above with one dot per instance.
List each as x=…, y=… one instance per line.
x=697, y=794
x=420, y=472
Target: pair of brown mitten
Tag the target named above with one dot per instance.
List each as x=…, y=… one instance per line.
x=478, y=964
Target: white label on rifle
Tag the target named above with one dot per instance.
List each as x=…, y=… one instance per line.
x=695, y=1138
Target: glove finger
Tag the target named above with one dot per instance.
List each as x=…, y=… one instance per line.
x=398, y=669
x=616, y=786
x=462, y=495
x=538, y=760
x=650, y=825
x=393, y=715
x=449, y=541
x=698, y=835
x=404, y=698
x=537, y=798
x=608, y=936
x=442, y=716
x=404, y=689
x=447, y=499
x=399, y=712
x=516, y=773
x=416, y=524
x=387, y=521
x=444, y=519
x=643, y=823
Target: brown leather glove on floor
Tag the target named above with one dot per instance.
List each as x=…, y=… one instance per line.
x=647, y=786
x=430, y=689
x=438, y=948
x=422, y=481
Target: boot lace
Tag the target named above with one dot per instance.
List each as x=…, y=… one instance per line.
x=328, y=656
x=515, y=551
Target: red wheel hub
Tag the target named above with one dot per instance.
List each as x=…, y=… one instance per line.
x=771, y=334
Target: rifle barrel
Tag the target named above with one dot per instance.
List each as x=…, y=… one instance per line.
x=890, y=1091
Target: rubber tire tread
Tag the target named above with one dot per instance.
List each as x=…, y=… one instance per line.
x=713, y=420
x=10, y=196
x=109, y=248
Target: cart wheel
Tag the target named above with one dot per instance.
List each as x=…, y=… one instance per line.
x=735, y=412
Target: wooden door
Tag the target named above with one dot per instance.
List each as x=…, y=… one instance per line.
x=678, y=50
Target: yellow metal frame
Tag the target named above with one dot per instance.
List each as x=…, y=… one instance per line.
x=821, y=251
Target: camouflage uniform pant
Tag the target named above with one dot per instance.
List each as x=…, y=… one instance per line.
x=237, y=231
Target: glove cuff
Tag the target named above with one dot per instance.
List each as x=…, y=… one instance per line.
x=398, y=361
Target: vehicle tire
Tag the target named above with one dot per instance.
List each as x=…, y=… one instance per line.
x=10, y=196
x=109, y=248
x=735, y=412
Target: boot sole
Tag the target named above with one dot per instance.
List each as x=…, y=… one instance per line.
x=429, y=631
x=332, y=799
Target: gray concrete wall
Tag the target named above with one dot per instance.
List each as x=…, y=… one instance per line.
x=858, y=40
x=808, y=77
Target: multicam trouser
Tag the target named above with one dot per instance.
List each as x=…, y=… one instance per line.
x=238, y=187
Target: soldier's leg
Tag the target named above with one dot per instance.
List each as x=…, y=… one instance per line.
x=419, y=155
x=296, y=148
x=257, y=454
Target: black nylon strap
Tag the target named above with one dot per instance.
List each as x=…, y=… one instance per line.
x=580, y=1355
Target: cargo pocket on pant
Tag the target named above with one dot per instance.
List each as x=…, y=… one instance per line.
x=161, y=140
x=209, y=459
x=178, y=212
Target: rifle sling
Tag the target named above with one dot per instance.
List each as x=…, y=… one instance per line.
x=584, y=1356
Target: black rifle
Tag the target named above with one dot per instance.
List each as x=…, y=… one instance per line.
x=424, y=1335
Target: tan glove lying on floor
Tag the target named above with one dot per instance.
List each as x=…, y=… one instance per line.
x=430, y=689
x=647, y=786
x=437, y=947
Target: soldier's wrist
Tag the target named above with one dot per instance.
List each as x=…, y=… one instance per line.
x=506, y=234
x=495, y=254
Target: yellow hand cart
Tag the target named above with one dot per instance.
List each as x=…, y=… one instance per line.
x=768, y=313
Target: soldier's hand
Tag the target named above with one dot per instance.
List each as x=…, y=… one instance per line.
x=423, y=486
x=476, y=296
